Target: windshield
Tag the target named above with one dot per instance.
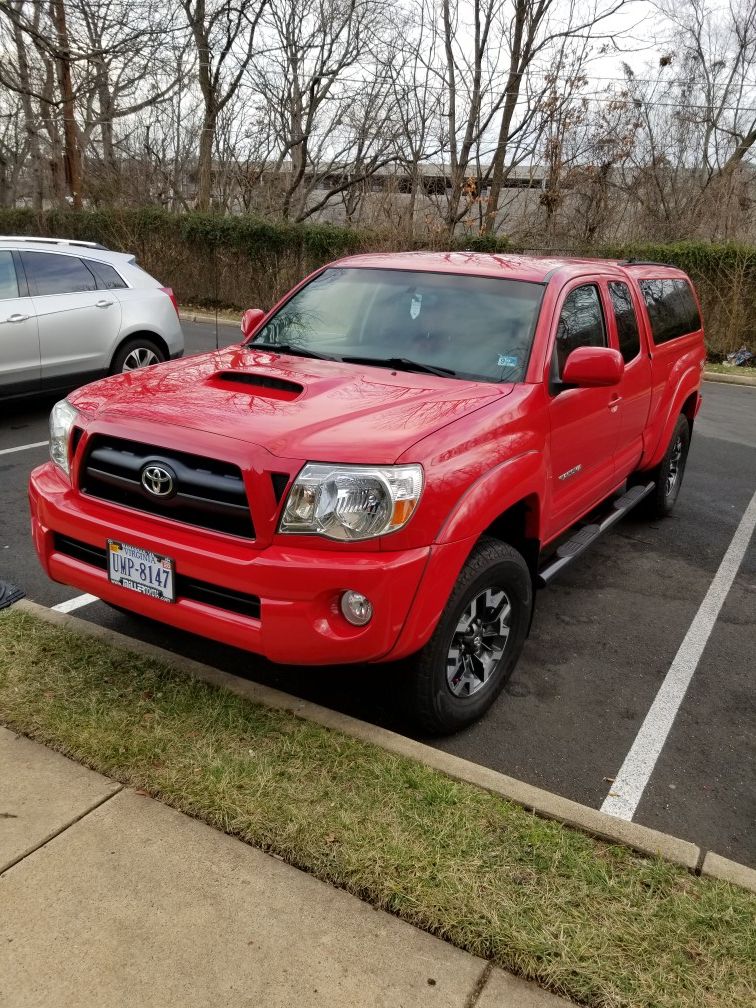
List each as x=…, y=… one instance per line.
x=450, y=324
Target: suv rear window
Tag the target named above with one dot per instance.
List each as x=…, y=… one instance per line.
x=8, y=282
x=106, y=276
x=671, y=307
x=51, y=273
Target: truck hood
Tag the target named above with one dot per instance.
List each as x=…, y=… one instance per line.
x=293, y=406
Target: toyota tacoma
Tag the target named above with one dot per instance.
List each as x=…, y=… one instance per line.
x=386, y=467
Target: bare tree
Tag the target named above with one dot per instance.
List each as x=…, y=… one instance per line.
x=326, y=59
x=224, y=35
x=80, y=68
x=469, y=74
x=534, y=27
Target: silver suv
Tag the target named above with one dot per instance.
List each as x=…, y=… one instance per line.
x=72, y=311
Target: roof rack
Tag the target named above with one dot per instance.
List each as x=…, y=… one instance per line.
x=53, y=241
x=642, y=262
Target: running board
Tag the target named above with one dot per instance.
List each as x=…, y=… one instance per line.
x=588, y=534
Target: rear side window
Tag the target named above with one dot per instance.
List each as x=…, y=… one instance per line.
x=672, y=308
x=581, y=323
x=49, y=273
x=8, y=281
x=627, y=323
x=106, y=276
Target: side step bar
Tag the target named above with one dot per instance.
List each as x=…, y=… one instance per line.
x=588, y=534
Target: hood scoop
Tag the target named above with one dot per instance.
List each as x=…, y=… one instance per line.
x=264, y=384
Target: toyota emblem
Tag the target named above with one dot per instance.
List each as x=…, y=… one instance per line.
x=158, y=481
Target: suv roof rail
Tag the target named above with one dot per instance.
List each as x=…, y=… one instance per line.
x=54, y=241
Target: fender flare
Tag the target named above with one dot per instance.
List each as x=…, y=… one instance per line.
x=493, y=493
x=688, y=384
x=485, y=500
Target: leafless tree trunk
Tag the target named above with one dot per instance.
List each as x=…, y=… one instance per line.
x=72, y=153
x=224, y=37
x=531, y=31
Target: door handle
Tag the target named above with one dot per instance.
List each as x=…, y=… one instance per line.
x=103, y=304
x=614, y=403
x=18, y=317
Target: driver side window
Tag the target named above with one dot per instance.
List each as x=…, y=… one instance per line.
x=581, y=323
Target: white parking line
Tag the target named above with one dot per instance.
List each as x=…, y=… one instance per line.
x=23, y=447
x=630, y=783
x=75, y=603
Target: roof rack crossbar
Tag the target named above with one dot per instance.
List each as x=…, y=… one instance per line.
x=642, y=262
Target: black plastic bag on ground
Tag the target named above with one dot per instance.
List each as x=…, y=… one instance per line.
x=740, y=358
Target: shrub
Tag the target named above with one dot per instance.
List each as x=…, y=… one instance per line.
x=237, y=262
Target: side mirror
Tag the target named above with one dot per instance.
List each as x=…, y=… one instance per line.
x=250, y=320
x=593, y=367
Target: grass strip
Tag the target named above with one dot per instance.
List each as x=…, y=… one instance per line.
x=224, y=314
x=731, y=370
x=586, y=919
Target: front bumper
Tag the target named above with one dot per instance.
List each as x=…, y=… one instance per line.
x=299, y=589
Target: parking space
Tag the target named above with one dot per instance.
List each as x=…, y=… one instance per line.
x=605, y=636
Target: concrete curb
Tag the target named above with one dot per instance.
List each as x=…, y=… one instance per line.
x=191, y=316
x=721, y=868
x=729, y=379
x=542, y=803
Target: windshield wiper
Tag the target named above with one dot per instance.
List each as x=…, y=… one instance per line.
x=402, y=364
x=289, y=348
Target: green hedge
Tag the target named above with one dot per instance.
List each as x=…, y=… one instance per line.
x=237, y=262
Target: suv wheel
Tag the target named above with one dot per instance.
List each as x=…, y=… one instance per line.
x=135, y=354
x=668, y=475
x=459, y=673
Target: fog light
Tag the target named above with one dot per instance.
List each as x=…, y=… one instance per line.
x=357, y=609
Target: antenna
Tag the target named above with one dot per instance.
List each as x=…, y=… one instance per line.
x=215, y=271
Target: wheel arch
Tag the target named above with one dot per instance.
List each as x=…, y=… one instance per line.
x=147, y=334
x=689, y=409
x=682, y=402
x=519, y=526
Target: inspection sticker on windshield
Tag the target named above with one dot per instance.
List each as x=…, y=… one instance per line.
x=141, y=571
x=506, y=361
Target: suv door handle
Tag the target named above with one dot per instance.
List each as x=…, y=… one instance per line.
x=614, y=403
x=18, y=317
x=103, y=304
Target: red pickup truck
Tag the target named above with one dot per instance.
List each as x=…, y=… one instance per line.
x=386, y=467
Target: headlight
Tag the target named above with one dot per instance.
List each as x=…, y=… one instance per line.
x=62, y=420
x=352, y=502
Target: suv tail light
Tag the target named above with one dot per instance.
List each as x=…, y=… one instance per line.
x=172, y=296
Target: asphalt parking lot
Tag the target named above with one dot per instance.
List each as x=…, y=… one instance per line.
x=604, y=638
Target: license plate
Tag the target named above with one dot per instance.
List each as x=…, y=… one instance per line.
x=141, y=571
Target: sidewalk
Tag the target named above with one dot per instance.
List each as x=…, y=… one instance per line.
x=110, y=898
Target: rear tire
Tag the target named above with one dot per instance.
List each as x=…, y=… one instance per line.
x=464, y=666
x=137, y=353
x=668, y=475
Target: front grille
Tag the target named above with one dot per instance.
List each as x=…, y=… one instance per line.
x=187, y=588
x=208, y=493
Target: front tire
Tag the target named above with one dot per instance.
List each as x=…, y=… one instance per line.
x=464, y=666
